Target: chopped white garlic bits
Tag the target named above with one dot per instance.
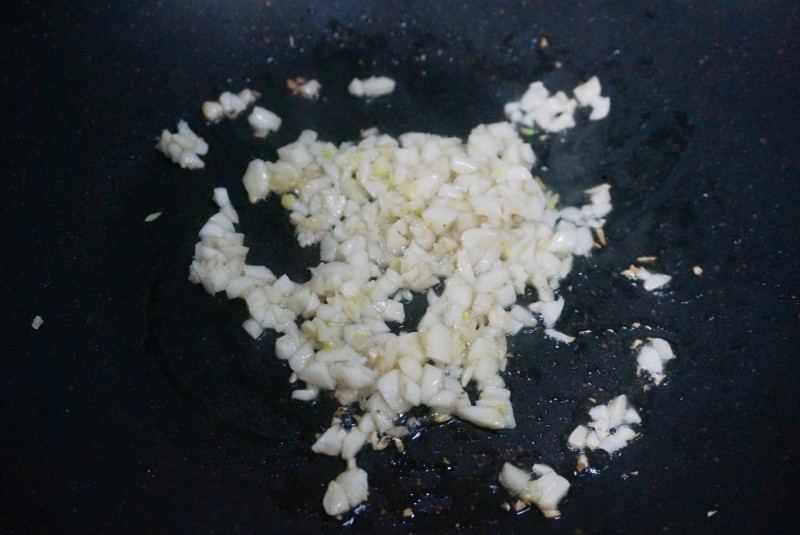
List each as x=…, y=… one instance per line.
x=37, y=322
x=310, y=89
x=558, y=335
x=183, y=147
x=550, y=310
x=554, y=113
x=219, y=256
x=588, y=94
x=229, y=105
x=256, y=180
x=652, y=358
x=337, y=440
x=545, y=491
x=394, y=216
x=349, y=489
x=374, y=86
x=551, y=113
x=263, y=121
x=650, y=280
x=610, y=428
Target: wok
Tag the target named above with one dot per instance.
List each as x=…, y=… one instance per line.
x=141, y=406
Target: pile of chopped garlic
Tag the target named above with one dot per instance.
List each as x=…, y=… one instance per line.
x=611, y=425
x=610, y=428
x=545, y=491
x=554, y=113
x=229, y=105
x=394, y=216
x=183, y=147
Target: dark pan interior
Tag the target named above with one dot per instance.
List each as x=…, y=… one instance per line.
x=141, y=405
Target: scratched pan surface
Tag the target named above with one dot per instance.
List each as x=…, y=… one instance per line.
x=141, y=405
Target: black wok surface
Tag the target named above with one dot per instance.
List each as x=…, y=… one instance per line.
x=141, y=406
